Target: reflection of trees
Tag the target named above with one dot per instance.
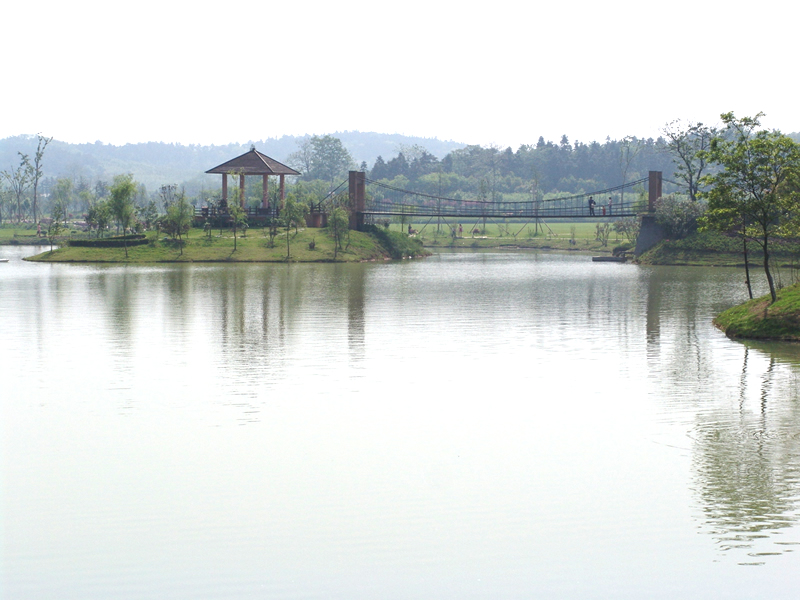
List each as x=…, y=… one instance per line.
x=746, y=459
x=675, y=319
x=355, y=313
x=269, y=315
x=118, y=290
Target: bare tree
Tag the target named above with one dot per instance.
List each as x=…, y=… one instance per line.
x=37, y=170
x=19, y=180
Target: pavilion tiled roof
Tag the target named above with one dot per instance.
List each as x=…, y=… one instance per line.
x=253, y=163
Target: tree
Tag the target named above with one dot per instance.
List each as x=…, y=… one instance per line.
x=757, y=185
x=19, y=180
x=178, y=219
x=61, y=196
x=301, y=159
x=678, y=215
x=99, y=216
x=238, y=220
x=36, y=169
x=147, y=214
x=338, y=224
x=688, y=144
x=121, y=205
x=294, y=212
x=5, y=197
x=323, y=157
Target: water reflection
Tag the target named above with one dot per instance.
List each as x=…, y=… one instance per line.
x=407, y=424
x=745, y=457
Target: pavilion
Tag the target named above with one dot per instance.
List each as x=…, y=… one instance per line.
x=254, y=163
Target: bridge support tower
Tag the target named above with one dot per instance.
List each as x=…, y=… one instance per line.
x=650, y=232
x=358, y=199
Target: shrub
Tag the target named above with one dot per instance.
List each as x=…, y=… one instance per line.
x=678, y=215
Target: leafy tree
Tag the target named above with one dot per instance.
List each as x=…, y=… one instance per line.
x=147, y=214
x=178, y=219
x=99, y=216
x=688, y=144
x=629, y=227
x=338, y=225
x=757, y=183
x=294, y=212
x=323, y=157
x=678, y=215
x=238, y=216
x=61, y=196
x=301, y=159
x=121, y=205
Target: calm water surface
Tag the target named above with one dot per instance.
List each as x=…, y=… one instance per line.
x=493, y=425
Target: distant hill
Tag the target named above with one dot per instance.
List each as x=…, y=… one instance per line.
x=158, y=163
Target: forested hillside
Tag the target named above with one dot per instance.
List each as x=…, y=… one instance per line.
x=155, y=163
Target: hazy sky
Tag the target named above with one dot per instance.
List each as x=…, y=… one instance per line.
x=497, y=72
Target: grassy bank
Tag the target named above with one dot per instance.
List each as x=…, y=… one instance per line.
x=308, y=245
x=22, y=235
x=550, y=236
x=714, y=249
x=758, y=319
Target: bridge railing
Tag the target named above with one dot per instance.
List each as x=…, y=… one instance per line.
x=477, y=209
x=389, y=200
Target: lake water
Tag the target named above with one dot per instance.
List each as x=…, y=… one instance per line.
x=472, y=425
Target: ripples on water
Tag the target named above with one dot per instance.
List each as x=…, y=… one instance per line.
x=472, y=425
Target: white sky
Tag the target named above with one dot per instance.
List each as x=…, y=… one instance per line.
x=502, y=72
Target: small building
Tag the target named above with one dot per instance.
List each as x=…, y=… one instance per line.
x=253, y=163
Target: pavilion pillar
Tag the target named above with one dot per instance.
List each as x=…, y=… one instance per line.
x=225, y=186
x=241, y=190
x=265, y=196
x=283, y=190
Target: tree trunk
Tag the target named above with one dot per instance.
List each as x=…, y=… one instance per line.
x=770, y=281
x=746, y=267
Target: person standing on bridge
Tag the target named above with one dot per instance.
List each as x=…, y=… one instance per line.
x=591, y=206
x=609, y=205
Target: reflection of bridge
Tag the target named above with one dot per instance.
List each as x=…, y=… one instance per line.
x=388, y=201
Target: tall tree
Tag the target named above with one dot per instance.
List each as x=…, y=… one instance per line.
x=328, y=159
x=179, y=218
x=338, y=224
x=238, y=216
x=19, y=180
x=37, y=169
x=757, y=182
x=121, y=204
x=688, y=145
x=61, y=197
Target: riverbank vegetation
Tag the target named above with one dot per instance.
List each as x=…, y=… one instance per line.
x=255, y=245
x=763, y=318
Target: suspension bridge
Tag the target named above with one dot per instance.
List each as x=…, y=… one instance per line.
x=379, y=201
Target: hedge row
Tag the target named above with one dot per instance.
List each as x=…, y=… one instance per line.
x=136, y=239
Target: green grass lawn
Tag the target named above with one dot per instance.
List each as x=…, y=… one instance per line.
x=758, y=319
x=219, y=247
x=517, y=234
